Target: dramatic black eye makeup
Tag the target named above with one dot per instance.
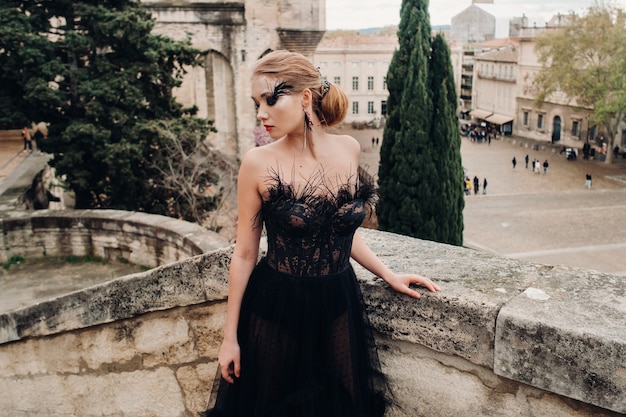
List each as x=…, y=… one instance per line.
x=280, y=89
x=271, y=95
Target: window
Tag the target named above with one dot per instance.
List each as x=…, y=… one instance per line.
x=322, y=64
x=370, y=64
x=370, y=107
x=355, y=64
x=526, y=118
x=383, y=107
x=337, y=80
x=355, y=107
x=337, y=64
x=540, y=121
x=370, y=83
x=385, y=82
x=576, y=128
x=355, y=83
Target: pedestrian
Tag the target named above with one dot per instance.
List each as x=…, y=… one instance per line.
x=485, y=186
x=377, y=141
x=526, y=159
x=545, y=167
x=476, y=184
x=514, y=161
x=468, y=186
x=373, y=141
x=295, y=337
x=28, y=141
x=588, y=180
x=37, y=138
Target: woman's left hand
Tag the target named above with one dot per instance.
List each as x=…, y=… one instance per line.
x=402, y=282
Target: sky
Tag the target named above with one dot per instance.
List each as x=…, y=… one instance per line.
x=362, y=14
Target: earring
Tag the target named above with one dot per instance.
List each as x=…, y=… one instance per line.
x=308, y=125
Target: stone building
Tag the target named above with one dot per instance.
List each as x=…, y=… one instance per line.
x=359, y=64
x=463, y=57
x=494, y=87
x=483, y=21
x=559, y=118
x=235, y=34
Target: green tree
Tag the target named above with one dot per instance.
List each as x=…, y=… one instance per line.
x=26, y=64
x=420, y=154
x=446, y=208
x=95, y=72
x=408, y=123
x=586, y=59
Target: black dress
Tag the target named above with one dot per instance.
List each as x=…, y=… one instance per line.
x=306, y=346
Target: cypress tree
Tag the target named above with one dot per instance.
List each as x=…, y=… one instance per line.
x=420, y=156
x=396, y=76
x=446, y=210
x=406, y=131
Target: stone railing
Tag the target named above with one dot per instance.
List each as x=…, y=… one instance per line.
x=503, y=338
x=139, y=238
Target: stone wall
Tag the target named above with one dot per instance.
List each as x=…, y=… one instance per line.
x=139, y=238
x=503, y=338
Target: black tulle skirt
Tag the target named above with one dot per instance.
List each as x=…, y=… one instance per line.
x=306, y=351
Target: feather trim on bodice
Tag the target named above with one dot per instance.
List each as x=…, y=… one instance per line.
x=310, y=228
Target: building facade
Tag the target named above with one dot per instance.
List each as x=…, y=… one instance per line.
x=558, y=118
x=359, y=64
x=495, y=88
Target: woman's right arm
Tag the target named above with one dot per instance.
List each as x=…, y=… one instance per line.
x=244, y=259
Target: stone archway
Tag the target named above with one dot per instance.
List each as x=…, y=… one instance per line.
x=220, y=99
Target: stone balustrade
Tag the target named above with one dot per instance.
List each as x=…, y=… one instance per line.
x=503, y=338
x=135, y=237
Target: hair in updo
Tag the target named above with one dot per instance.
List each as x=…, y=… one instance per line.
x=296, y=70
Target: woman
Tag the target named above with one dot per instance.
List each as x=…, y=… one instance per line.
x=296, y=342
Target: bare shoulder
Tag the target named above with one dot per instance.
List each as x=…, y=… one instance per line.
x=255, y=157
x=347, y=143
x=254, y=162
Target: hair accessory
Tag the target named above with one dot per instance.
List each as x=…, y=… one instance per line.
x=325, y=87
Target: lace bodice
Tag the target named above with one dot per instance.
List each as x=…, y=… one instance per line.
x=310, y=230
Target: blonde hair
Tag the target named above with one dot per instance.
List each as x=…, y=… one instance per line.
x=330, y=103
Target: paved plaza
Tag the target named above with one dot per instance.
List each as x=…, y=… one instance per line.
x=550, y=219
